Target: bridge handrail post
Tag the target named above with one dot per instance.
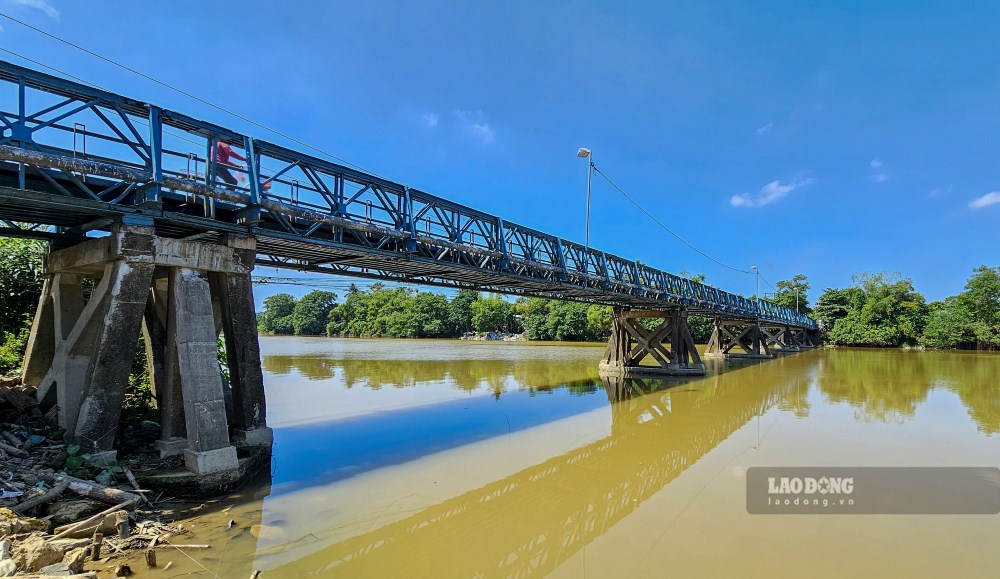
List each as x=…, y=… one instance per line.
x=635, y=272
x=604, y=267
x=251, y=214
x=151, y=193
x=409, y=225
x=562, y=260
x=502, y=243
x=22, y=128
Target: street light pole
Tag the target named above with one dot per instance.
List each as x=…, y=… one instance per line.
x=589, y=155
x=756, y=292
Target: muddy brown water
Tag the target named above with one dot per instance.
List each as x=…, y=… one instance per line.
x=436, y=458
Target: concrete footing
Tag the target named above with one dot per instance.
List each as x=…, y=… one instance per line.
x=211, y=461
x=171, y=446
x=180, y=294
x=262, y=436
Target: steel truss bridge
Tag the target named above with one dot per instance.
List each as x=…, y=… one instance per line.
x=75, y=159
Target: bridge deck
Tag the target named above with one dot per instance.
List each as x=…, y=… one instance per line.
x=78, y=158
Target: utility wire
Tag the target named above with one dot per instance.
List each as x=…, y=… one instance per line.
x=166, y=130
x=667, y=229
x=189, y=95
x=768, y=283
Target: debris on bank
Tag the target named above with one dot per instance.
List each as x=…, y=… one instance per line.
x=495, y=336
x=53, y=524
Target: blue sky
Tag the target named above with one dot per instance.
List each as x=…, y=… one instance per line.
x=816, y=138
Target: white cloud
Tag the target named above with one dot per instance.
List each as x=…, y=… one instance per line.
x=430, y=119
x=878, y=175
x=765, y=129
x=986, y=200
x=476, y=124
x=40, y=5
x=768, y=193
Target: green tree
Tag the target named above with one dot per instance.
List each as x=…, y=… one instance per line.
x=460, y=312
x=887, y=312
x=535, y=318
x=493, y=314
x=792, y=294
x=701, y=328
x=949, y=325
x=567, y=320
x=20, y=281
x=834, y=304
x=277, y=315
x=311, y=313
x=599, y=320
x=981, y=299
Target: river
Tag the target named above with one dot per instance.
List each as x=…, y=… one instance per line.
x=440, y=458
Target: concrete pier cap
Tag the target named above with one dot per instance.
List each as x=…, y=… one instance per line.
x=181, y=295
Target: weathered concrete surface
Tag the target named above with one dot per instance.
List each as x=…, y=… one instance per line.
x=90, y=256
x=191, y=336
x=180, y=294
x=171, y=446
x=211, y=461
x=154, y=333
x=114, y=350
x=41, y=341
x=239, y=323
x=171, y=397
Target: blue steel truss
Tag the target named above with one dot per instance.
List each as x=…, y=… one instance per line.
x=79, y=158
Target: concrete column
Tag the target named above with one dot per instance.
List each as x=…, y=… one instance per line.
x=173, y=424
x=117, y=334
x=192, y=338
x=41, y=340
x=154, y=335
x=243, y=353
x=239, y=323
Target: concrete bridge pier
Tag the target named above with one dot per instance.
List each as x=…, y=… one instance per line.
x=747, y=335
x=180, y=294
x=669, y=344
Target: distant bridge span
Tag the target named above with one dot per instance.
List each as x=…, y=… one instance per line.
x=187, y=228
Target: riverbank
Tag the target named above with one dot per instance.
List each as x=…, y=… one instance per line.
x=97, y=522
x=495, y=336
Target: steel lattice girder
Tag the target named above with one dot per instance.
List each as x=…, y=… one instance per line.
x=308, y=213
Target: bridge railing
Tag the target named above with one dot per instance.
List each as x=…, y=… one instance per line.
x=67, y=133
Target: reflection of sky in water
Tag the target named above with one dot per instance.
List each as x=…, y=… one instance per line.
x=323, y=453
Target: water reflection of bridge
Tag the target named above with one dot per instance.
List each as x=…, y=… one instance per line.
x=531, y=522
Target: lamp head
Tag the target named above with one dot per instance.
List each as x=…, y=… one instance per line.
x=583, y=153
